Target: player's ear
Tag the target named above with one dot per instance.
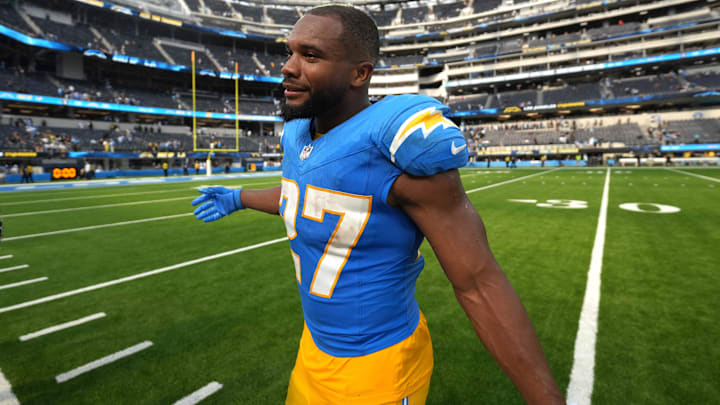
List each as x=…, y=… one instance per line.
x=361, y=74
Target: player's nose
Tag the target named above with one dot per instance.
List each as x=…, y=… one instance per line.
x=291, y=67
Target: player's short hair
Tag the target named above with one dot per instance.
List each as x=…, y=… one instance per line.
x=360, y=32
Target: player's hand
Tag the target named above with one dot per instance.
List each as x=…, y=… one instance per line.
x=218, y=202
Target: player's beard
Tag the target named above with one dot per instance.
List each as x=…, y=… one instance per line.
x=319, y=103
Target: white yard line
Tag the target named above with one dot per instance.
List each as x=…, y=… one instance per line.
x=200, y=394
x=90, y=197
x=6, y=395
x=22, y=266
x=695, y=175
x=88, y=228
x=582, y=374
x=6, y=257
x=61, y=326
x=22, y=214
x=509, y=181
x=138, y=276
x=479, y=172
x=61, y=378
x=19, y=283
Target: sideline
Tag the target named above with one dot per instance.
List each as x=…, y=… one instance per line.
x=582, y=375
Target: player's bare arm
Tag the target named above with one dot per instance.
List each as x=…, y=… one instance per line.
x=265, y=200
x=439, y=206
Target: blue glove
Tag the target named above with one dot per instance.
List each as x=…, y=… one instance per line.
x=219, y=201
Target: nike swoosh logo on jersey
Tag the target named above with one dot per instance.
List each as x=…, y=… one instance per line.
x=456, y=149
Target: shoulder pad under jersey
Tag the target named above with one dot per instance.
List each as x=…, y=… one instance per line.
x=418, y=138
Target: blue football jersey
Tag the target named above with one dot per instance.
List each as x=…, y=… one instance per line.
x=356, y=257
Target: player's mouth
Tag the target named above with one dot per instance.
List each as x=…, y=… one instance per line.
x=293, y=91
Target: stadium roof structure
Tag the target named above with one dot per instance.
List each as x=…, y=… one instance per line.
x=162, y=5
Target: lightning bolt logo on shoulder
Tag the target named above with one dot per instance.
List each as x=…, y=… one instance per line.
x=425, y=120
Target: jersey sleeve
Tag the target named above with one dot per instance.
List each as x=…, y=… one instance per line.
x=418, y=138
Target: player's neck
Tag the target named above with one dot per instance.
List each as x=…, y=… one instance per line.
x=329, y=120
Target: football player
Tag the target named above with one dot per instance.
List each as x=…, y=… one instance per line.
x=363, y=184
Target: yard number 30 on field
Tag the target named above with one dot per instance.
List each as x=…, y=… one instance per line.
x=652, y=208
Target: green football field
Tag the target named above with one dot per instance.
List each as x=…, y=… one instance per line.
x=167, y=305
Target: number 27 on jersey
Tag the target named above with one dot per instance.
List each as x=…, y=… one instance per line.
x=354, y=212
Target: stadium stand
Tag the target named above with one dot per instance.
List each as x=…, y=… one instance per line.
x=518, y=98
x=483, y=6
x=286, y=16
x=227, y=57
x=412, y=15
x=554, y=39
x=707, y=79
x=271, y=62
x=219, y=7
x=647, y=85
x=10, y=18
x=471, y=103
x=390, y=60
x=680, y=19
x=592, y=136
x=18, y=81
x=384, y=17
x=216, y=102
x=77, y=34
x=248, y=13
x=448, y=10
x=628, y=134
x=126, y=43
x=613, y=30
x=21, y=136
x=694, y=131
x=194, y=5
x=570, y=93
